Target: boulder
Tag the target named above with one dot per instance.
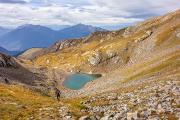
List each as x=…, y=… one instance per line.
x=178, y=35
x=145, y=113
x=148, y=33
x=110, y=54
x=153, y=118
x=118, y=116
x=84, y=118
x=95, y=59
x=127, y=32
x=132, y=115
x=68, y=118
x=94, y=117
x=105, y=117
x=117, y=59
x=160, y=109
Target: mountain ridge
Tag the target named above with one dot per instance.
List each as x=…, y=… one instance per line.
x=28, y=36
x=117, y=53
x=12, y=53
x=140, y=71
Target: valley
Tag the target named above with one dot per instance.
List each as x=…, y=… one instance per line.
x=138, y=72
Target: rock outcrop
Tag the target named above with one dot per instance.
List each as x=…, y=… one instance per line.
x=140, y=75
x=117, y=48
x=143, y=37
x=7, y=61
x=63, y=44
x=58, y=46
x=178, y=35
x=95, y=59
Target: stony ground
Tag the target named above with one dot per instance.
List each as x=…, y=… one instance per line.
x=158, y=100
x=142, y=82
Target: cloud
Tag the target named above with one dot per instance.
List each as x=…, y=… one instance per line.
x=138, y=8
x=95, y=12
x=13, y=1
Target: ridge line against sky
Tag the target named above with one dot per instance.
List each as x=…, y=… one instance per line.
x=93, y=12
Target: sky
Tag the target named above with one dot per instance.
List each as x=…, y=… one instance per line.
x=14, y=13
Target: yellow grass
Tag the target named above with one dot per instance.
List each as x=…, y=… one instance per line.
x=150, y=67
x=19, y=103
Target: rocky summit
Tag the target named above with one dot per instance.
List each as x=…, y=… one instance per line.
x=139, y=68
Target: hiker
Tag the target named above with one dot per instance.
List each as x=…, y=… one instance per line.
x=58, y=93
x=6, y=81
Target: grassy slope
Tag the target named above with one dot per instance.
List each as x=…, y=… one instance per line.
x=17, y=102
x=142, y=58
x=161, y=64
x=77, y=56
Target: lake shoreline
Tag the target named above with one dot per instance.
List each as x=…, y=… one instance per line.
x=90, y=76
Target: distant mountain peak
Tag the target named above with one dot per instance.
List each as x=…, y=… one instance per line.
x=31, y=26
x=13, y=53
x=29, y=36
x=25, y=25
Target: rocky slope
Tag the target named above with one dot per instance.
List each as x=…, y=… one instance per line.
x=140, y=67
x=133, y=53
x=7, y=61
x=137, y=53
x=103, y=51
x=15, y=72
x=156, y=99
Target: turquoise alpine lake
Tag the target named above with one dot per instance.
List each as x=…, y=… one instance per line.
x=77, y=81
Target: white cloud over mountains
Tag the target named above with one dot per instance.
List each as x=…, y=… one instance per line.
x=95, y=12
